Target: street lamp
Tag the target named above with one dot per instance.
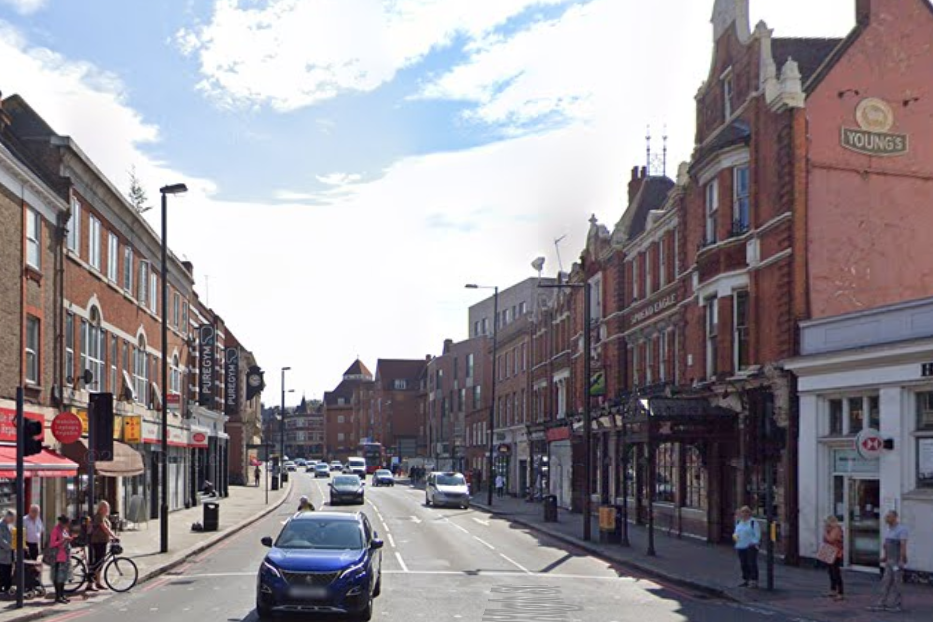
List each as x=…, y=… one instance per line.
x=163, y=511
x=538, y=264
x=283, y=476
x=492, y=404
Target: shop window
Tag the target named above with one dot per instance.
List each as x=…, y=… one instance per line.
x=925, y=411
x=694, y=479
x=856, y=415
x=925, y=439
x=835, y=417
x=665, y=483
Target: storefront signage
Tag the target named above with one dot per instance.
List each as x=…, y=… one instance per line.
x=231, y=381
x=206, y=341
x=875, y=118
x=152, y=434
x=66, y=428
x=199, y=437
x=558, y=434
x=869, y=444
x=8, y=423
x=847, y=461
x=82, y=415
x=133, y=429
x=654, y=308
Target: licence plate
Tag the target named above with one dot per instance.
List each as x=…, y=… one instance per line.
x=315, y=592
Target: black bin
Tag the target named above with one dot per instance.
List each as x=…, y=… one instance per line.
x=211, y=520
x=550, y=509
x=275, y=483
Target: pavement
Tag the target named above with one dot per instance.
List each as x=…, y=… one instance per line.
x=713, y=569
x=243, y=507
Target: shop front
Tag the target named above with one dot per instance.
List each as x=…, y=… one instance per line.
x=110, y=477
x=560, y=464
x=178, y=477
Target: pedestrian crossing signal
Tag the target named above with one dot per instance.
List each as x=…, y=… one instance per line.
x=33, y=432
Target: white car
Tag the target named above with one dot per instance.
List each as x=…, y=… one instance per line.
x=447, y=488
x=357, y=466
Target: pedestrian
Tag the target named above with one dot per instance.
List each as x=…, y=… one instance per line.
x=60, y=542
x=500, y=485
x=256, y=475
x=893, y=561
x=101, y=536
x=747, y=537
x=6, y=552
x=834, y=539
x=35, y=530
x=305, y=505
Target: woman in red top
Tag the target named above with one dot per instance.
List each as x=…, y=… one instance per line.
x=60, y=540
x=833, y=536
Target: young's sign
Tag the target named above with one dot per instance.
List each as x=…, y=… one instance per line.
x=875, y=119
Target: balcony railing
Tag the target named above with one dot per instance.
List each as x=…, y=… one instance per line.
x=739, y=228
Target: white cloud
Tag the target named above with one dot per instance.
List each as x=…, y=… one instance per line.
x=26, y=7
x=339, y=179
x=294, y=53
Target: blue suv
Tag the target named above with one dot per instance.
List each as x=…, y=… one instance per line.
x=321, y=562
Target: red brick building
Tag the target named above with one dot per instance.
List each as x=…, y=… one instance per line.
x=341, y=412
x=395, y=405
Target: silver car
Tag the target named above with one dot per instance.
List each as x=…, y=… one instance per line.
x=447, y=489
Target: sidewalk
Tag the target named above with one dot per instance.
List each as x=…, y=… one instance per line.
x=243, y=507
x=713, y=569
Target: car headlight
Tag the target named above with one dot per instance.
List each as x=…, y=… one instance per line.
x=267, y=566
x=353, y=571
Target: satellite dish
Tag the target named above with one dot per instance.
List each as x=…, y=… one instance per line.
x=538, y=264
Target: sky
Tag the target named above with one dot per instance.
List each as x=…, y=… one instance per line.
x=353, y=163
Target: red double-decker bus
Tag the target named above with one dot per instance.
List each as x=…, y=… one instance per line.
x=374, y=454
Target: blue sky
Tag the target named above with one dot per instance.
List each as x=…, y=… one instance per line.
x=362, y=159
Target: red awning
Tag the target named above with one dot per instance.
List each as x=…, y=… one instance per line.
x=44, y=464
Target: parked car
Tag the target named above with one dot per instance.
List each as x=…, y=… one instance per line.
x=383, y=477
x=321, y=470
x=346, y=488
x=321, y=562
x=336, y=466
x=447, y=488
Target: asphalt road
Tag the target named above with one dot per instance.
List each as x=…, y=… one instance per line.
x=438, y=565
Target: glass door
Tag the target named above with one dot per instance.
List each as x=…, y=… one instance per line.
x=863, y=518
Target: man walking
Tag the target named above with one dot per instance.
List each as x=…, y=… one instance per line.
x=256, y=475
x=32, y=525
x=893, y=560
x=500, y=485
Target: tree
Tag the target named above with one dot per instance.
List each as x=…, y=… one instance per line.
x=137, y=195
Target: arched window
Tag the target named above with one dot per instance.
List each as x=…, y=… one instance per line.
x=92, y=349
x=141, y=371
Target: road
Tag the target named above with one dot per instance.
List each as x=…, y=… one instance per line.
x=438, y=564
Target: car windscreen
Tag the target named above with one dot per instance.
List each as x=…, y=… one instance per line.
x=321, y=467
x=383, y=473
x=321, y=534
x=347, y=480
x=450, y=480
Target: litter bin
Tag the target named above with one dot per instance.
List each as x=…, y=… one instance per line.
x=550, y=509
x=610, y=529
x=211, y=520
x=275, y=483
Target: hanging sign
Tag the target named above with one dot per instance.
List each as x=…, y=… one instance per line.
x=869, y=444
x=231, y=381
x=132, y=429
x=206, y=341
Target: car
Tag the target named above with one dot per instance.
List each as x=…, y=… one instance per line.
x=346, y=488
x=383, y=477
x=291, y=466
x=447, y=488
x=321, y=470
x=336, y=466
x=357, y=466
x=301, y=462
x=321, y=562
x=309, y=468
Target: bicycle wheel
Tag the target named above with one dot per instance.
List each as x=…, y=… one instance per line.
x=121, y=574
x=77, y=575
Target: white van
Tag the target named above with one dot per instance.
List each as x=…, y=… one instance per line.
x=357, y=466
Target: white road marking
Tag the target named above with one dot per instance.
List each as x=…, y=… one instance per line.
x=484, y=543
x=485, y=523
x=459, y=527
x=514, y=573
x=515, y=563
x=415, y=519
x=401, y=562
x=391, y=540
x=210, y=575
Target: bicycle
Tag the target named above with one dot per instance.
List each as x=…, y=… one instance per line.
x=120, y=574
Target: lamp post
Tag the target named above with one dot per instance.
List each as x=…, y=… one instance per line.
x=283, y=476
x=587, y=420
x=163, y=510
x=492, y=404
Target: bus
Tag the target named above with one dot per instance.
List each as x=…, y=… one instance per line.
x=375, y=455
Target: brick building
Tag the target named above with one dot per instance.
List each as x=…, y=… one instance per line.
x=395, y=406
x=304, y=430
x=342, y=408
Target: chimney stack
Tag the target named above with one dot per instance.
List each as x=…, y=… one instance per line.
x=638, y=178
x=862, y=12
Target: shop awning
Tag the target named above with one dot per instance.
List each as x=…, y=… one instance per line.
x=44, y=464
x=126, y=462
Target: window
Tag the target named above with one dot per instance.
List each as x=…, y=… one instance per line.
x=648, y=263
x=740, y=339
x=143, y=282
x=69, y=347
x=469, y=365
x=835, y=417
x=649, y=359
x=113, y=255
x=340, y=436
x=141, y=371
x=675, y=258
x=712, y=210
x=635, y=277
x=33, y=239
x=665, y=479
x=476, y=328
x=400, y=384
x=32, y=350
x=728, y=92
x=635, y=376
x=740, y=216
x=153, y=292
x=176, y=309
x=524, y=357
x=485, y=325
x=461, y=401
x=694, y=479
x=456, y=367
x=74, y=231
x=662, y=264
x=925, y=411
x=850, y=415
x=856, y=415
x=93, y=350
x=516, y=363
x=175, y=384
x=93, y=240
x=924, y=439
x=596, y=298
x=477, y=397
x=662, y=368
x=522, y=308
x=114, y=351
x=128, y=270
x=874, y=413
x=712, y=336
x=126, y=358
x=524, y=411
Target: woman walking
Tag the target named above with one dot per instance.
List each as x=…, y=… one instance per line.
x=101, y=536
x=6, y=552
x=833, y=538
x=747, y=537
x=60, y=541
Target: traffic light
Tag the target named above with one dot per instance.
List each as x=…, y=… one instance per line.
x=100, y=425
x=33, y=433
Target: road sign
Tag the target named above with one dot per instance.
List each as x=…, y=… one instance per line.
x=67, y=428
x=869, y=444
